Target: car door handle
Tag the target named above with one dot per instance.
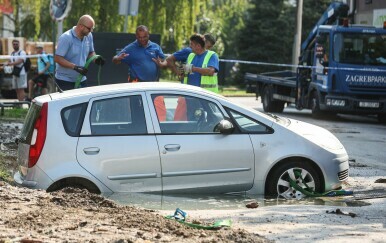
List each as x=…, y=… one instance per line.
x=172, y=147
x=91, y=151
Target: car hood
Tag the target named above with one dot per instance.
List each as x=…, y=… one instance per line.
x=315, y=134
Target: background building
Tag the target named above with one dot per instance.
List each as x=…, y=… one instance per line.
x=369, y=12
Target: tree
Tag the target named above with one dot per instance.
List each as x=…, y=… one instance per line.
x=269, y=30
x=267, y=36
x=26, y=18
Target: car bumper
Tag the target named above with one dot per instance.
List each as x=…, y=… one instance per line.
x=353, y=105
x=34, y=179
x=337, y=174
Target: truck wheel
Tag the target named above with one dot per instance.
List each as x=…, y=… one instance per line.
x=279, y=106
x=268, y=104
x=278, y=182
x=382, y=118
x=315, y=107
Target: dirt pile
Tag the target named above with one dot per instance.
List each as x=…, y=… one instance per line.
x=73, y=215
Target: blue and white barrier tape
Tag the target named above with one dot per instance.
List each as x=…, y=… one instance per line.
x=365, y=69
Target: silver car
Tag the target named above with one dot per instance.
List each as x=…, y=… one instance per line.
x=166, y=137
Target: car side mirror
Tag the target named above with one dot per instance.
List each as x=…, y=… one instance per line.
x=224, y=127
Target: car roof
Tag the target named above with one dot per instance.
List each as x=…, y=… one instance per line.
x=127, y=87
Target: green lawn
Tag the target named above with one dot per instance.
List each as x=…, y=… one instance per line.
x=230, y=91
x=14, y=113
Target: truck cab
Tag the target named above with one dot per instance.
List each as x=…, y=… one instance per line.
x=349, y=71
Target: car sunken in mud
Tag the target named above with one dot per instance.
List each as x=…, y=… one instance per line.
x=171, y=138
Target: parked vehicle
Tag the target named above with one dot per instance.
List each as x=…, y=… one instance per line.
x=171, y=138
x=343, y=70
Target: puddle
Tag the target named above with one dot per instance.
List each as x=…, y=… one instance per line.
x=219, y=202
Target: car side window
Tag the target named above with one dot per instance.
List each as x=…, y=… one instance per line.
x=186, y=114
x=72, y=118
x=118, y=116
x=246, y=124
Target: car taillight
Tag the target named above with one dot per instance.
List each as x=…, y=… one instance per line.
x=39, y=136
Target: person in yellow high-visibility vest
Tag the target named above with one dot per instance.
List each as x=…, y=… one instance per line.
x=202, y=65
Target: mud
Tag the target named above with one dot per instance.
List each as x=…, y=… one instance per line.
x=75, y=215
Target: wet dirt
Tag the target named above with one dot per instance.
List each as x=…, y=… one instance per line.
x=73, y=215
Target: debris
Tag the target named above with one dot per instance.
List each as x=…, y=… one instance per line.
x=338, y=211
x=380, y=180
x=252, y=205
x=180, y=216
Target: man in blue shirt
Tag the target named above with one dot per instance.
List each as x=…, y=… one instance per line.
x=75, y=46
x=197, y=70
x=141, y=56
x=182, y=55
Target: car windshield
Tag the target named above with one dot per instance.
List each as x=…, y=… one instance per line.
x=360, y=49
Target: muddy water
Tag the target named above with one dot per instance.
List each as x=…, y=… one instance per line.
x=220, y=202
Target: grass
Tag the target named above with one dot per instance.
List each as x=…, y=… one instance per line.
x=5, y=172
x=228, y=91
x=234, y=92
x=14, y=113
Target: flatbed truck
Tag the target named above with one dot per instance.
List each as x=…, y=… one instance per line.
x=342, y=69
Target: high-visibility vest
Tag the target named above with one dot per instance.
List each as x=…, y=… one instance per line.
x=207, y=82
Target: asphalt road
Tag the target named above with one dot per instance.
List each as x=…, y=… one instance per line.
x=362, y=136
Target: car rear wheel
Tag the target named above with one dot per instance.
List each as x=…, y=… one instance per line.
x=74, y=182
x=303, y=174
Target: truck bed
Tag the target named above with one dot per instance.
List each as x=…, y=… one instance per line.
x=281, y=78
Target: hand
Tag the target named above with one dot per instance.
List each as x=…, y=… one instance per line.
x=123, y=56
x=100, y=61
x=187, y=68
x=81, y=70
x=160, y=63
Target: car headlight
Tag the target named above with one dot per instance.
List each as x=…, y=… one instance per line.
x=326, y=140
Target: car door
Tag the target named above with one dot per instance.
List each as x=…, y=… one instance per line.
x=194, y=158
x=117, y=145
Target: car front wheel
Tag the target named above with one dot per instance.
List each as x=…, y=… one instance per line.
x=304, y=175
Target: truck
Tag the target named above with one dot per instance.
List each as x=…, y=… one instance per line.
x=342, y=69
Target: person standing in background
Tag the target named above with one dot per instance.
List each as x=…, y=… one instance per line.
x=75, y=46
x=43, y=66
x=202, y=65
x=182, y=55
x=141, y=57
x=19, y=82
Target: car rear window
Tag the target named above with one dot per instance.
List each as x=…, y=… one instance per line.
x=29, y=123
x=72, y=118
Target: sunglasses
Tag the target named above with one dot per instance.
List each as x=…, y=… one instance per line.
x=89, y=29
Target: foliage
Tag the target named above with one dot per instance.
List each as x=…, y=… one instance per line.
x=14, y=113
x=269, y=32
x=5, y=171
x=26, y=18
x=227, y=18
x=175, y=20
